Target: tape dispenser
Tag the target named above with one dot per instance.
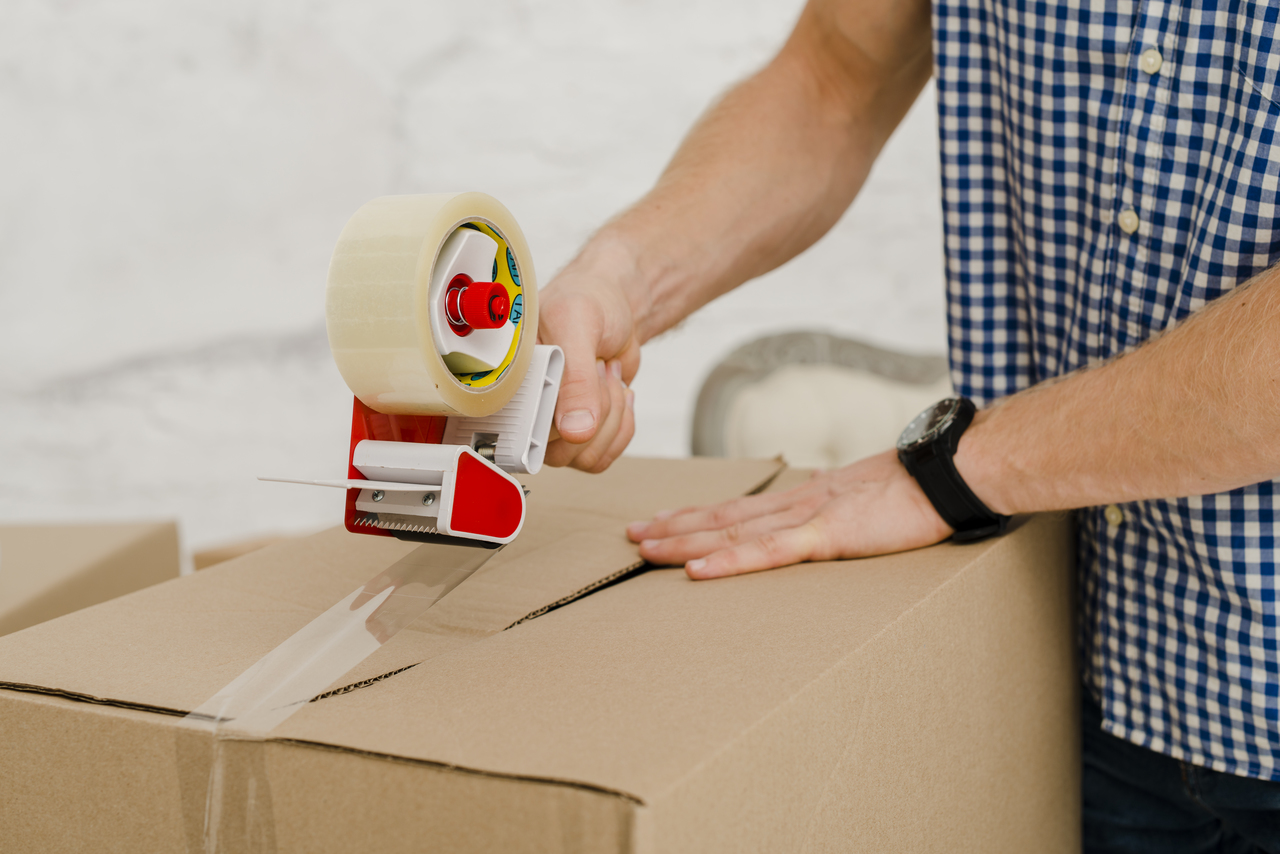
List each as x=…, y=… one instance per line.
x=432, y=313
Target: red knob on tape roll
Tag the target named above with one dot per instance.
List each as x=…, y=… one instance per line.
x=475, y=305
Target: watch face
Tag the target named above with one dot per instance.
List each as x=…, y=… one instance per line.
x=926, y=426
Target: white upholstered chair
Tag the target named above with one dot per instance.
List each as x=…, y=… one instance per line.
x=818, y=400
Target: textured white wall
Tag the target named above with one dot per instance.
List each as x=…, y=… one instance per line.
x=173, y=176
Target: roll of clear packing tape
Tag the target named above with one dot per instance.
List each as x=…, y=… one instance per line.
x=383, y=305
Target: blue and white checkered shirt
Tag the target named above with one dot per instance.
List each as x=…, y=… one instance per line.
x=1107, y=169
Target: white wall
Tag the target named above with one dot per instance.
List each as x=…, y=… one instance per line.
x=173, y=176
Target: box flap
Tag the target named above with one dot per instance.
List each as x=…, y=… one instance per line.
x=173, y=646
x=676, y=671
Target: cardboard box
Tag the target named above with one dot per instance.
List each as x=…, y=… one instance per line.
x=50, y=570
x=917, y=702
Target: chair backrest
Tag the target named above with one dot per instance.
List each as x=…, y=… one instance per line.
x=817, y=399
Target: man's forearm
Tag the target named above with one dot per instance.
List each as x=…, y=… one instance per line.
x=771, y=167
x=1192, y=412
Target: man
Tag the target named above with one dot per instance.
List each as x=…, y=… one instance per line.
x=1109, y=191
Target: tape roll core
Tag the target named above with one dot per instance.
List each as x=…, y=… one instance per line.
x=378, y=305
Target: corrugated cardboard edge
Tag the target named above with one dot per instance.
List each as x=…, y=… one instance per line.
x=621, y=575
x=76, y=697
x=462, y=769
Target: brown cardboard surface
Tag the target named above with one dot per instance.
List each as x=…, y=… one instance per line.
x=204, y=630
x=230, y=551
x=923, y=701
x=50, y=570
x=672, y=670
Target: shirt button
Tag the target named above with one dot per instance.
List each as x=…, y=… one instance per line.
x=1115, y=516
x=1150, y=61
x=1129, y=221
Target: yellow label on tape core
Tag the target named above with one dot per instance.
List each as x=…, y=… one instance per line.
x=506, y=272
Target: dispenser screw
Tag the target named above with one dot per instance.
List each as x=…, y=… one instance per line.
x=378, y=495
x=429, y=499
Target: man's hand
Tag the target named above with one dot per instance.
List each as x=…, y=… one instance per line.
x=589, y=317
x=868, y=508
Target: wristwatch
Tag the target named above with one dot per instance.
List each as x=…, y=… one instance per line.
x=927, y=448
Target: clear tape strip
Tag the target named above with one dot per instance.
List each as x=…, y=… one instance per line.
x=226, y=797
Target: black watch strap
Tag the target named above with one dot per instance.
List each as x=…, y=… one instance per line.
x=934, y=469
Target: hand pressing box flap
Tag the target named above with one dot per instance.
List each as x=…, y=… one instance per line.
x=562, y=699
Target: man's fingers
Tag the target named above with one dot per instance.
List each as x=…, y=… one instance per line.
x=686, y=547
x=565, y=449
x=723, y=515
x=779, y=548
x=590, y=319
x=594, y=456
x=626, y=430
x=612, y=434
x=870, y=507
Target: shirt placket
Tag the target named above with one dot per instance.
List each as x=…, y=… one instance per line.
x=1103, y=88
x=1141, y=181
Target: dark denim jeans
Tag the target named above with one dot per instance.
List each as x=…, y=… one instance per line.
x=1137, y=801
